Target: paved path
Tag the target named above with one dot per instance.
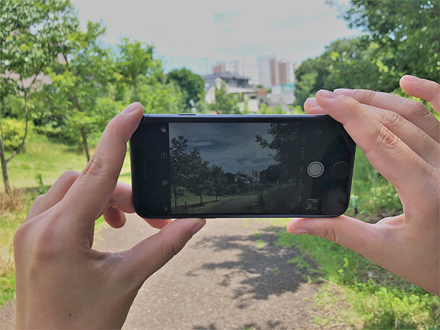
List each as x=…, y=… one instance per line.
x=225, y=278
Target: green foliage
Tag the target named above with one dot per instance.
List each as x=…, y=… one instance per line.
x=399, y=39
x=376, y=299
x=224, y=103
x=135, y=65
x=191, y=84
x=42, y=189
x=347, y=63
x=375, y=197
x=407, y=35
x=32, y=34
x=161, y=98
x=13, y=131
x=266, y=110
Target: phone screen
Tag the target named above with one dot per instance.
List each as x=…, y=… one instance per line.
x=295, y=165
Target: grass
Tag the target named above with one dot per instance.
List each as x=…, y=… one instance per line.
x=49, y=158
x=373, y=297
x=13, y=212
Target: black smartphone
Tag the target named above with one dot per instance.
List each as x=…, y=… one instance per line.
x=223, y=166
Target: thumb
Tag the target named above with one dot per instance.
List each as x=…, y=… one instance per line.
x=148, y=256
x=349, y=232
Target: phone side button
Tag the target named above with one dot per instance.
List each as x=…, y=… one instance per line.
x=187, y=114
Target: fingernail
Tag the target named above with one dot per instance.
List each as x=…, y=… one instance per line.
x=132, y=107
x=344, y=91
x=200, y=224
x=311, y=102
x=328, y=95
x=412, y=78
x=299, y=231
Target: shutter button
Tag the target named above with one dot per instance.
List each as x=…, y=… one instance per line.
x=315, y=169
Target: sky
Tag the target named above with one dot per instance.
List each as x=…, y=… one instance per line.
x=230, y=145
x=197, y=34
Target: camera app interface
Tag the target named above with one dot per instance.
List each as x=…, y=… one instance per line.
x=250, y=168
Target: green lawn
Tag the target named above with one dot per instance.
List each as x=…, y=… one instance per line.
x=50, y=159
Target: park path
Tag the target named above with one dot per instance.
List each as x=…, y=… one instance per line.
x=236, y=205
x=225, y=278
x=231, y=275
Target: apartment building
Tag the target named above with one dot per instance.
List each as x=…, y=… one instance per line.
x=275, y=72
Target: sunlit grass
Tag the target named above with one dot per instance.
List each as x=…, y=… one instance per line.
x=50, y=158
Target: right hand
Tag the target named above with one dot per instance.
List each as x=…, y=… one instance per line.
x=401, y=139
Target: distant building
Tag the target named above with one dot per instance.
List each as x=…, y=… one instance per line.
x=239, y=67
x=235, y=84
x=275, y=72
x=249, y=176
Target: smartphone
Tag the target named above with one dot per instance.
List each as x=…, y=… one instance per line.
x=224, y=166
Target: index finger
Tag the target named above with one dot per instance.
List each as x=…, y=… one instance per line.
x=400, y=165
x=422, y=88
x=95, y=185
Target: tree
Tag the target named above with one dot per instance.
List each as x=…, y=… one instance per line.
x=31, y=35
x=83, y=85
x=180, y=166
x=218, y=180
x=136, y=65
x=407, y=34
x=224, y=103
x=199, y=179
x=191, y=84
x=286, y=143
x=349, y=63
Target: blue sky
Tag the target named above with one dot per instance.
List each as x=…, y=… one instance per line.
x=196, y=34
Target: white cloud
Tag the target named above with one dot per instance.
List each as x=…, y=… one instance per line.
x=197, y=32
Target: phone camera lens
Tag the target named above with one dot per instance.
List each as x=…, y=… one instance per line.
x=163, y=155
x=341, y=169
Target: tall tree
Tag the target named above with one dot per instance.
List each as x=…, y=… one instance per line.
x=191, y=84
x=32, y=33
x=136, y=65
x=180, y=166
x=407, y=33
x=349, y=63
x=199, y=180
x=83, y=82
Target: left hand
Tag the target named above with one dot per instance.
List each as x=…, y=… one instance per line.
x=61, y=282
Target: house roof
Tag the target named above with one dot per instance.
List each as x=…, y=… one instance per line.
x=211, y=78
x=236, y=90
x=225, y=75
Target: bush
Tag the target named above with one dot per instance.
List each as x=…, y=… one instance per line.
x=13, y=132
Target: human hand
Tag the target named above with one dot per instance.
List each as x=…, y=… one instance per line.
x=401, y=139
x=61, y=282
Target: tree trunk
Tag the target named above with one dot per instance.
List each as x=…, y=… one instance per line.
x=5, y=160
x=5, y=169
x=86, y=146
